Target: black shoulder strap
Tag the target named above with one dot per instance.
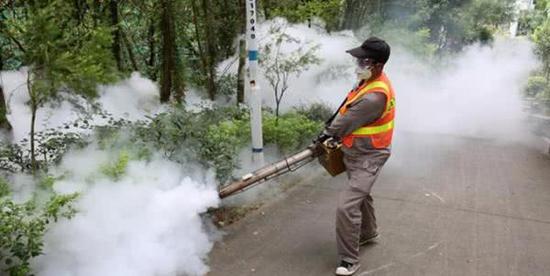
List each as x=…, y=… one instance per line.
x=329, y=121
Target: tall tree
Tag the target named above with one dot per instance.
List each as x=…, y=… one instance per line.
x=355, y=13
x=330, y=11
x=168, y=51
x=129, y=49
x=266, y=6
x=1, y=51
x=62, y=53
x=210, y=49
x=4, y=123
x=151, y=61
x=242, y=53
x=117, y=39
x=198, y=38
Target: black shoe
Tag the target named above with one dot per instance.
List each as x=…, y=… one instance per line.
x=345, y=268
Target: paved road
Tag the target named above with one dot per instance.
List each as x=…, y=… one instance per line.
x=451, y=207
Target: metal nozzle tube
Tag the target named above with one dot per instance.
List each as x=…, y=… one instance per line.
x=265, y=172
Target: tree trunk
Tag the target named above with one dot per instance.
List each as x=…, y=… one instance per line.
x=355, y=13
x=349, y=13
x=151, y=61
x=97, y=14
x=202, y=55
x=179, y=80
x=4, y=123
x=34, y=108
x=242, y=54
x=1, y=52
x=168, y=53
x=210, y=51
x=34, y=165
x=241, y=70
x=129, y=50
x=266, y=7
x=117, y=51
x=78, y=11
x=1, y=43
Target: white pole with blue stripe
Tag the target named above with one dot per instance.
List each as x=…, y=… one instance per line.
x=255, y=99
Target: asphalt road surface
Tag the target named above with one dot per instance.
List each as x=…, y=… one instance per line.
x=445, y=206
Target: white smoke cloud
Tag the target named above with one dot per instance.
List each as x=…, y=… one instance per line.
x=476, y=93
x=147, y=223
x=131, y=99
x=327, y=82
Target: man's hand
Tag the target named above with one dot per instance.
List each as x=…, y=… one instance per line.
x=321, y=138
x=331, y=143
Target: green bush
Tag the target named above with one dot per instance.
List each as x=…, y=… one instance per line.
x=51, y=145
x=22, y=229
x=4, y=187
x=319, y=112
x=211, y=136
x=227, y=84
x=544, y=99
x=290, y=131
x=538, y=89
x=529, y=20
x=46, y=183
x=116, y=169
x=536, y=85
x=221, y=144
x=214, y=136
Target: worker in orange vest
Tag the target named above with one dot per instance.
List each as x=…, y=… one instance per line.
x=364, y=124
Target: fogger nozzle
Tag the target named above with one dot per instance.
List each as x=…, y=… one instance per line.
x=329, y=154
x=265, y=173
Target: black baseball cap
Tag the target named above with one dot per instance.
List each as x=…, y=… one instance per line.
x=374, y=48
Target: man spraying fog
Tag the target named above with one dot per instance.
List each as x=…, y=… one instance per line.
x=364, y=124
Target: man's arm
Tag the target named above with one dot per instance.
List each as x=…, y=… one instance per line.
x=364, y=111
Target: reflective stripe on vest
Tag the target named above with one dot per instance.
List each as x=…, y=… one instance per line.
x=374, y=129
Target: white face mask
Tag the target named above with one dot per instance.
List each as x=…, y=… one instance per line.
x=363, y=73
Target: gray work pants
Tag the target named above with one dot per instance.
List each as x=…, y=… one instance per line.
x=355, y=213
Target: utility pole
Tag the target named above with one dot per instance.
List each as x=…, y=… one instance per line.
x=255, y=99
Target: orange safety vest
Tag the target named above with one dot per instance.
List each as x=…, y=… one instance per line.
x=381, y=131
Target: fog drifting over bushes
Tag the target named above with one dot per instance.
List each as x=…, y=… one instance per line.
x=148, y=223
